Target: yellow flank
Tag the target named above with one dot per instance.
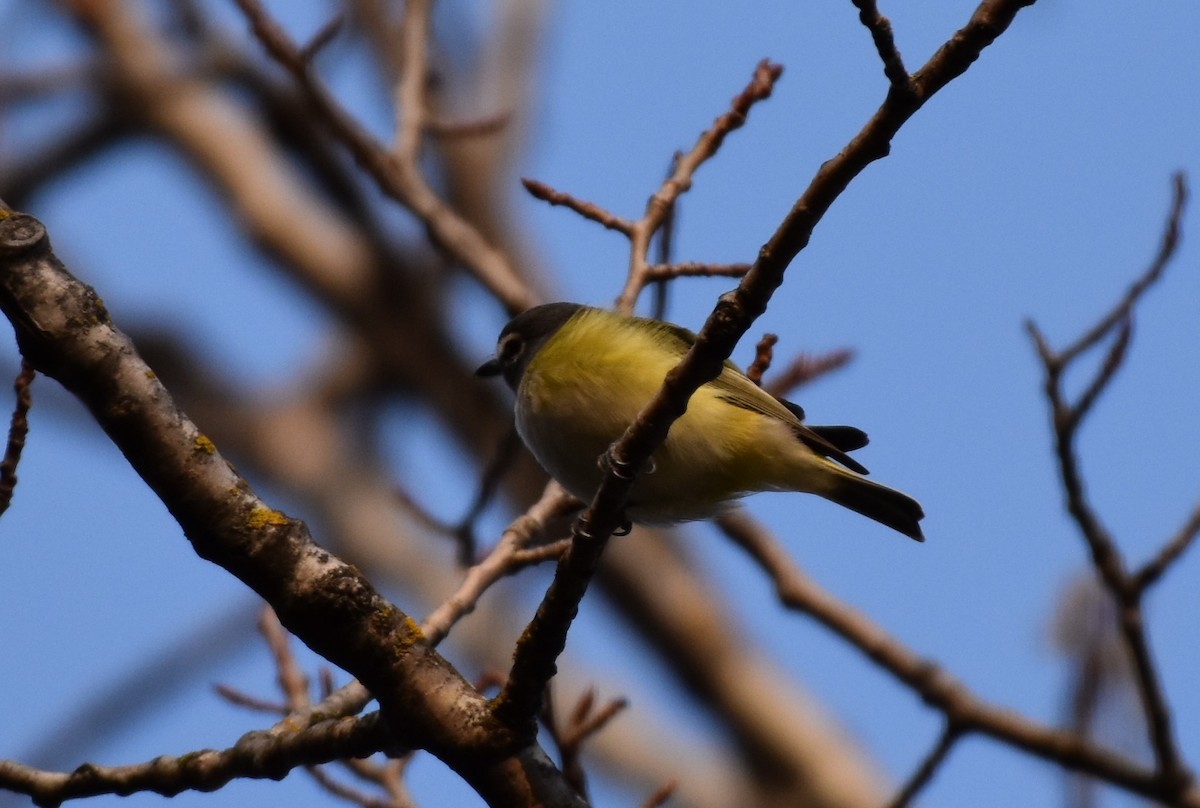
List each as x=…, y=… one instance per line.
x=713, y=453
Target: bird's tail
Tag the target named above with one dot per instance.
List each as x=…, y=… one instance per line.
x=885, y=505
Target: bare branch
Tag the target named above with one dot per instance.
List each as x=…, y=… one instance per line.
x=1125, y=589
x=937, y=688
x=1148, y=575
x=1166, y=251
x=18, y=429
x=256, y=755
x=661, y=796
x=324, y=35
x=694, y=269
x=63, y=328
x=588, y=210
x=763, y=354
x=662, y=202
x=929, y=766
x=410, y=91
x=545, y=637
x=806, y=368
x=503, y=560
x=885, y=45
x=399, y=175
x=245, y=700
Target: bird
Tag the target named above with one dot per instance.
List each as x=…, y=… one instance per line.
x=581, y=375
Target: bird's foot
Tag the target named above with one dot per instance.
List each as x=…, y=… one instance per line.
x=621, y=468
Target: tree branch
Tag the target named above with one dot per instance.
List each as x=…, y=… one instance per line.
x=63, y=328
x=937, y=688
x=545, y=637
x=256, y=755
x=398, y=175
x=18, y=429
x=1125, y=589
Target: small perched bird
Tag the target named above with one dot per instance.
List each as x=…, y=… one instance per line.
x=581, y=376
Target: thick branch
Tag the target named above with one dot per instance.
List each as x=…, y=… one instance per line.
x=64, y=329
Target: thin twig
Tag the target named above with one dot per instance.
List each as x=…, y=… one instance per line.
x=935, y=686
x=763, y=354
x=660, y=797
x=246, y=701
x=928, y=767
x=342, y=791
x=805, y=369
x=1169, y=553
x=449, y=130
x=662, y=202
x=18, y=430
x=1166, y=250
x=1125, y=589
x=885, y=45
x=292, y=680
x=588, y=210
x=410, y=90
x=694, y=269
x=1113, y=359
x=503, y=560
x=583, y=722
x=398, y=175
x=666, y=248
x=324, y=35
x=489, y=483
x=536, y=555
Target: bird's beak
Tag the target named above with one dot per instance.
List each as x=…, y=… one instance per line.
x=489, y=368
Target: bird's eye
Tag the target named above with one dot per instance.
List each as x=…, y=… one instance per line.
x=511, y=347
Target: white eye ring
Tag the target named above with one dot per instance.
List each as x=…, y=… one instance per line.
x=511, y=347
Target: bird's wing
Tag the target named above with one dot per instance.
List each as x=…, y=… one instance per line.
x=734, y=387
x=832, y=442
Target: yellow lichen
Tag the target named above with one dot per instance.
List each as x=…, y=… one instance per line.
x=201, y=443
x=261, y=517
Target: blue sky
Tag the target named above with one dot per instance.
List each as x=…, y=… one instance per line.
x=1033, y=187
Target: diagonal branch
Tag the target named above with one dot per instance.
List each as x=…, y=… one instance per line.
x=1154, y=569
x=398, y=175
x=18, y=429
x=63, y=328
x=1166, y=250
x=885, y=45
x=545, y=637
x=964, y=711
x=929, y=766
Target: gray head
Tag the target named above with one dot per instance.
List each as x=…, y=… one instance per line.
x=521, y=339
